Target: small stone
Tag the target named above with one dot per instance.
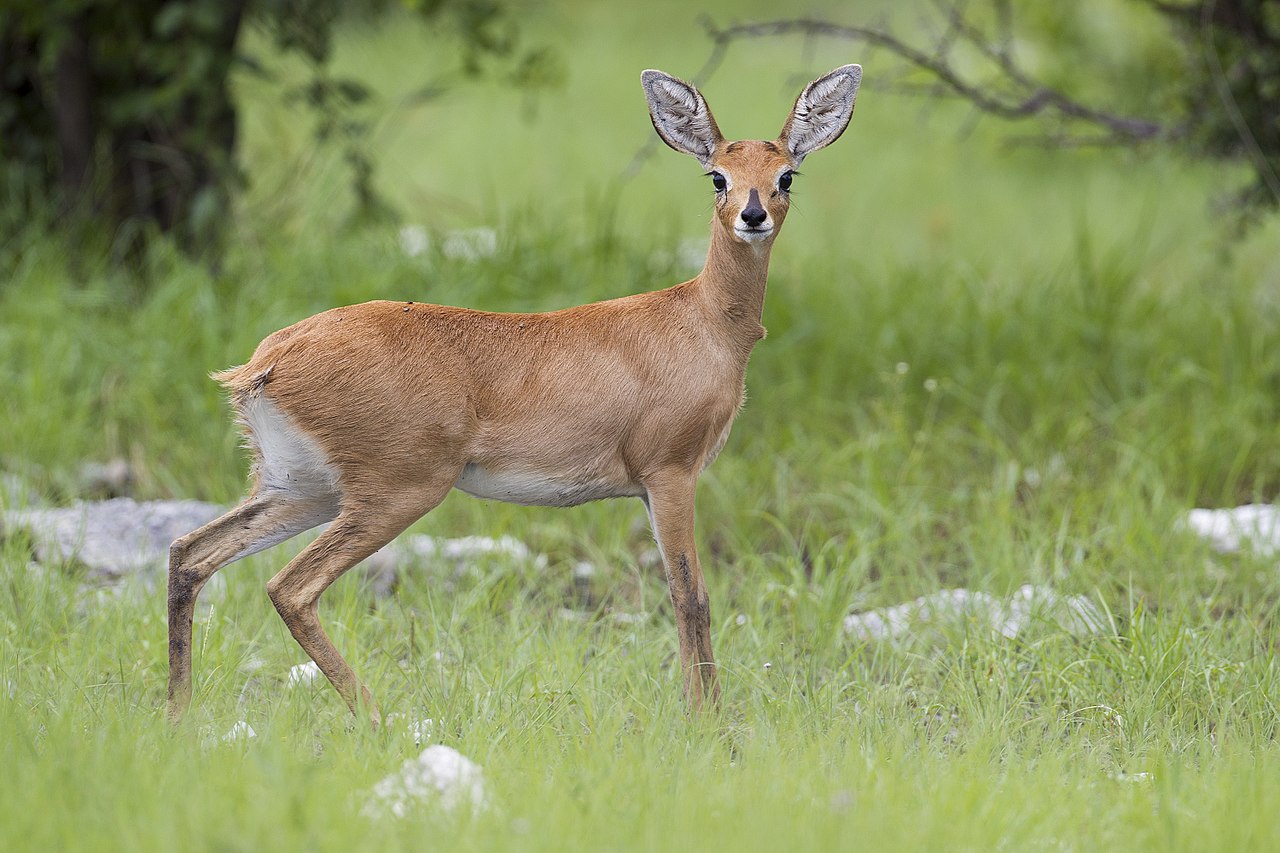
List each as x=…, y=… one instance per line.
x=1076, y=614
x=1254, y=527
x=419, y=730
x=304, y=674
x=414, y=240
x=470, y=244
x=110, y=538
x=384, y=567
x=15, y=492
x=241, y=731
x=440, y=775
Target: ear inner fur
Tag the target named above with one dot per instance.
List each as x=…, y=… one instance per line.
x=681, y=116
x=821, y=112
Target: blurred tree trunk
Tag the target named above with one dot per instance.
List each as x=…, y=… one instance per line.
x=122, y=114
x=117, y=117
x=73, y=110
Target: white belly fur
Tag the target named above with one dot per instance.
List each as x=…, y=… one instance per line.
x=534, y=489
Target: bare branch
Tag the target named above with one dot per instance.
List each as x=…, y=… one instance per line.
x=1027, y=97
x=1002, y=87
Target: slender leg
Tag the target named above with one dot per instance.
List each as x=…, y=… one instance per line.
x=670, y=503
x=261, y=521
x=358, y=531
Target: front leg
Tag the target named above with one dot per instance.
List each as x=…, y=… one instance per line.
x=670, y=503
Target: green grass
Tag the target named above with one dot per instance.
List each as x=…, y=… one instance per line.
x=984, y=368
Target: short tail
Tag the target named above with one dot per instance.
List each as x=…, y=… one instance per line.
x=241, y=382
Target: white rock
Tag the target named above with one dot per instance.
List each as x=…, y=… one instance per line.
x=111, y=538
x=15, y=493
x=1075, y=614
x=414, y=240
x=419, y=730
x=944, y=605
x=470, y=244
x=1254, y=526
x=440, y=775
x=384, y=567
x=467, y=548
x=239, y=732
x=304, y=674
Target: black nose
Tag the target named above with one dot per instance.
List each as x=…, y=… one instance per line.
x=754, y=215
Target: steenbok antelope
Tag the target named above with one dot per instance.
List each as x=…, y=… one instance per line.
x=367, y=416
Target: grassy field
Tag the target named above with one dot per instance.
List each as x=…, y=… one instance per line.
x=985, y=368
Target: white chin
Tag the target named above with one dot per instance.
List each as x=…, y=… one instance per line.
x=753, y=236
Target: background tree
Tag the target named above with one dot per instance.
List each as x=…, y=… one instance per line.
x=1212, y=85
x=121, y=114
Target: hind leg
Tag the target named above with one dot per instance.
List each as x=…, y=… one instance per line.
x=361, y=528
x=263, y=520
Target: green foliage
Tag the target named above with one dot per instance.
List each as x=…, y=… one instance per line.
x=125, y=116
x=1209, y=74
x=984, y=368
x=132, y=124
x=1207, y=70
x=1236, y=97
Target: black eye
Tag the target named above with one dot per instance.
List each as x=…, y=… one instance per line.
x=718, y=181
x=784, y=181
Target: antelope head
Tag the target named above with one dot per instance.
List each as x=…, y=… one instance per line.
x=752, y=178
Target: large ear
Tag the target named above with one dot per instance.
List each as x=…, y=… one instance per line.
x=822, y=112
x=680, y=115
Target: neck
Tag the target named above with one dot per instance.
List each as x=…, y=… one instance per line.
x=733, y=283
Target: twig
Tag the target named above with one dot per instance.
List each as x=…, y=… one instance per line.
x=1013, y=94
x=1031, y=98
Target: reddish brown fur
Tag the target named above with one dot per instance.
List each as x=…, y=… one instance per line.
x=604, y=386
x=633, y=396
